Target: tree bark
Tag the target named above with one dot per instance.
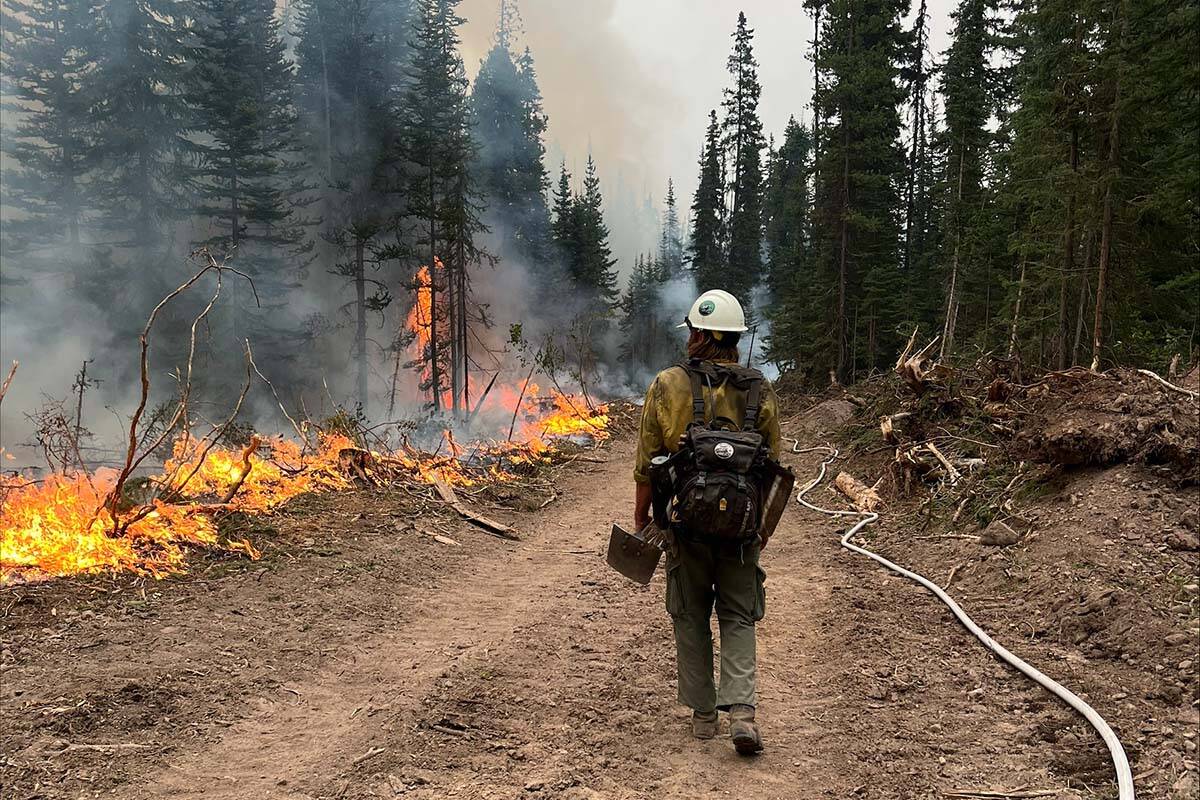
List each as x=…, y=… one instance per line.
x=1012, y=335
x=951, y=321
x=360, y=322
x=1106, y=221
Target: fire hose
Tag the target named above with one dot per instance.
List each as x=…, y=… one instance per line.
x=1116, y=751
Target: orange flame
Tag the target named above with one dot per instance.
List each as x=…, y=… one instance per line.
x=61, y=527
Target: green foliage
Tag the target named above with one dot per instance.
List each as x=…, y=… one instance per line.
x=509, y=127
x=581, y=238
x=707, y=246
x=742, y=139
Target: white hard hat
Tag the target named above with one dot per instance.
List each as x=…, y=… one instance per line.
x=716, y=310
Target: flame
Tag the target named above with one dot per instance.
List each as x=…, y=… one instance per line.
x=61, y=527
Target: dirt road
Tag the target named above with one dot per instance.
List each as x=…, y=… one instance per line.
x=374, y=664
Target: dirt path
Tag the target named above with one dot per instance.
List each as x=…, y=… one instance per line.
x=500, y=670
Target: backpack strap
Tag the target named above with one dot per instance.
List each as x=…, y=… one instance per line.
x=753, y=405
x=747, y=379
x=694, y=375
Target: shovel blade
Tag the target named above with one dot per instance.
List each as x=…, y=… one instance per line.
x=632, y=556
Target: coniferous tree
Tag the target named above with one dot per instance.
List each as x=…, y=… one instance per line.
x=49, y=56
x=641, y=324
x=345, y=72
x=594, y=272
x=434, y=154
x=248, y=170
x=967, y=89
x=670, y=242
x=510, y=126
x=787, y=212
x=581, y=240
x=742, y=139
x=856, y=230
x=920, y=206
x=144, y=53
x=706, y=246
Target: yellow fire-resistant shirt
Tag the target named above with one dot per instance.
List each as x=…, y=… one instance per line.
x=668, y=410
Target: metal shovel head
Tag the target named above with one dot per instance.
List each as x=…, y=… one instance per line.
x=632, y=555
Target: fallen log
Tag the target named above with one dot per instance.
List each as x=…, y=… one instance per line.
x=490, y=526
x=861, y=496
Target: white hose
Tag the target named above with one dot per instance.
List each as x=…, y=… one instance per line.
x=1119, y=759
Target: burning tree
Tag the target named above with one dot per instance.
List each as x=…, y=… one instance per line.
x=433, y=157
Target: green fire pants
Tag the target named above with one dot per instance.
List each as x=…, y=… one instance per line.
x=702, y=575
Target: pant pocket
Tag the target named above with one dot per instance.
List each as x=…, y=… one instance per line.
x=760, y=593
x=675, y=604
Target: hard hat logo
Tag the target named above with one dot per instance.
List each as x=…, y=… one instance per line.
x=707, y=307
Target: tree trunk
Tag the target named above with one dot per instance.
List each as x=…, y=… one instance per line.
x=360, y=323
x=325, y=95
x=951, y=321
x=844, y=244
x=1083, y=295
x=1068, y=250
x=1106, y=221
x=1012, y=334
x=234, y=209
x=435, y=375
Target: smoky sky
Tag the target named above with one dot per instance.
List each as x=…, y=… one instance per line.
x=633, y=81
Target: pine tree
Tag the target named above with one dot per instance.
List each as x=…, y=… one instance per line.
x=967, y=89
x=856, y=229
x=742, y=139
x=433, y=155
x=510, y=126
x=787, y=212
x=706, y=245
x=641, y=325
x=670, y=241
x=248, y=172
x=142, y=121
x=593, y=271
x=49, y=56
x=344, y=68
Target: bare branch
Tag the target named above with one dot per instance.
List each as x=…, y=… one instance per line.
x=7, y=381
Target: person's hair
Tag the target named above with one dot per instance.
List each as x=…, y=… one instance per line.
x=710, y=348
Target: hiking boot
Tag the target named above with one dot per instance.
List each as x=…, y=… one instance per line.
x=704, y=725
x=743, y=729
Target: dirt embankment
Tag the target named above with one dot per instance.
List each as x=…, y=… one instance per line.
x=1063, y=513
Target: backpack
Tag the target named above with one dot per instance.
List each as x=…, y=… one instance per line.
x=721, y=472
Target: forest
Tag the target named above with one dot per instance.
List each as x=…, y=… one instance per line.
x=327, y=355
x=1010, y=195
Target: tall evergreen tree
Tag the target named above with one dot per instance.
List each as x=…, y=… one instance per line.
x=248, y=170
x=706, y=242
x=742, y=138
x=788, y=208
x=509, y=127
x=594, y=271
x=442, y=219
x=144, y=57
x=670, y=240
x=641, y=323
x=860, y=171
x=49, y=55
x=968, y=88
x=345, y=72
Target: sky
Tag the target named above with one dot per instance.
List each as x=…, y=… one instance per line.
x=633, y=81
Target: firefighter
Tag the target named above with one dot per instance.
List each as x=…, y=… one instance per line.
x=703, y=572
